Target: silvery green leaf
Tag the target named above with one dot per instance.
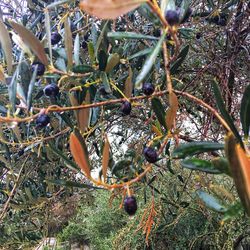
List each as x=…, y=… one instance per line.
x=149, y=62
x=76, y=49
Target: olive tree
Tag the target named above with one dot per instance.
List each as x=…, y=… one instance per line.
x=125, y=96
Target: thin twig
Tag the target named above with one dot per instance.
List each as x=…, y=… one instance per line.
x=4, y=211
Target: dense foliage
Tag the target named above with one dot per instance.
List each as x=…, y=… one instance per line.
x=125, y=125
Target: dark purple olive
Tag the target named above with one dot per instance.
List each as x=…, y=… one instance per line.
x=130, y=205
x=40, y=68
x=126, y=108
x=150, y=154
x=42, y=121
x=55, y=38
x=172, y=17
x=148, y=88
x=51, y=90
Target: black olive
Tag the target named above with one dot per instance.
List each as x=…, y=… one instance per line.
x=126, y=108
x=148, y=88
x=130, y=205
x=51, y=90
x=150, y=154
x=55, y=38
x=42, y=121
x=40, y=68
x=172, y=17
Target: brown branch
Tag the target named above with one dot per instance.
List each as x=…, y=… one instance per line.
x=58, y=109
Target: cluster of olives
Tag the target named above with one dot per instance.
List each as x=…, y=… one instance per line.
x=52, y=90
x=150, y=154
x=147, y=88
x=130, y=204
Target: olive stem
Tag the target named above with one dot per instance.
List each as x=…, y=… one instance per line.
x=121, y=185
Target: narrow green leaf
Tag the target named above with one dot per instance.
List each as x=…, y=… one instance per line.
x=31, y=86
x=128, y=89
x=140, y=53
x=211, y=202
x=6, y=45
x=186, y=33
x=210, y=3
x=95, y=115
x=100, y=38
x=200, y=165
x=149, y=62
x=57, y=3
x=113, y=60
x=76, y=49
x=245, y=112
x=159, y=111
x=184, y=9
x=102, y=58
x=120, y=165
x=105, y=82
x=64, y=183
x=192, y=148
x=20, y=92
x=70, y=164
x=66, y=119
x=233, y=211
x=180, y=59
x=82, y=69
x=12, y=87
x=48, y=34
x=129, y=35
x=68, y=42
x=225, y=114
x=91, y=51
x=222, y=165
x=60, y=64
x=31, y=40
x=25, y=75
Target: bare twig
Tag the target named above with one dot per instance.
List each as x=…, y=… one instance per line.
x=6, y=205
